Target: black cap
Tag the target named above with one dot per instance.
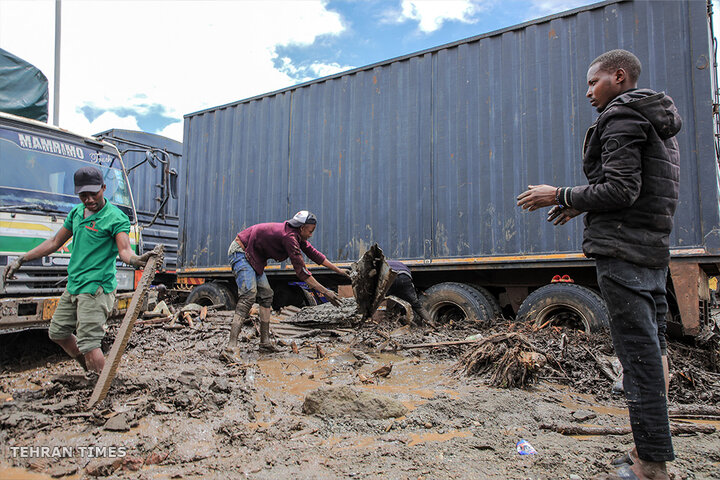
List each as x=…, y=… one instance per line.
x=88, y=179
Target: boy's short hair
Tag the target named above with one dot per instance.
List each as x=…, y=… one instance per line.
x=616, y=59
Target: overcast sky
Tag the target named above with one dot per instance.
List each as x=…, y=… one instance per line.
x=142, y=65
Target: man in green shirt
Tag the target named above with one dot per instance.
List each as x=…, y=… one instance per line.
x=100, y=233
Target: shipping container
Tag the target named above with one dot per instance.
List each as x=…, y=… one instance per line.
x=425, y=154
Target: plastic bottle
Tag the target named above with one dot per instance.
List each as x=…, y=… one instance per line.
x=524, y=448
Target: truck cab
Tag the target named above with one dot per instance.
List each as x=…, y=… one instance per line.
x=37, y=164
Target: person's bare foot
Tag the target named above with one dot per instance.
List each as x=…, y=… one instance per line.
x=649, y=470
x=640, y=470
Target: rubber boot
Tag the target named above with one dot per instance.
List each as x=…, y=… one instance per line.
x=265, y=332
x=242, y=308
x=265, y=343
x=234, y=331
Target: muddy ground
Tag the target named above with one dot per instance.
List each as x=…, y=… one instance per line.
x=178, y=410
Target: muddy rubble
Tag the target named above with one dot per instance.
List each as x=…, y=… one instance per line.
x=384, y=400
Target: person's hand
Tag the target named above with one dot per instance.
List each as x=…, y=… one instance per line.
x=561, y=215
x=332, y=298
x=11, y=269
x=345, y=272
x=537, y=196
x=140, y=261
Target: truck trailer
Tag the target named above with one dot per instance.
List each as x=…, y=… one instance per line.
x=425, y=155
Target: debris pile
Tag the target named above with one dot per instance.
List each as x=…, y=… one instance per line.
x=170, y=318
x=509, y=359
x=326, y=315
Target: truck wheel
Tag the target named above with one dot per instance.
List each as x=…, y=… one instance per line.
x=456, y=302
x=213, y=293
x=495, y=308
x=565, y=304
x=310, y=300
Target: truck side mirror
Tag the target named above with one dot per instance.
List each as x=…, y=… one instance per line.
x=151, y=158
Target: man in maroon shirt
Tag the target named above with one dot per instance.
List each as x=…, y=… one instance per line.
x=248, y=255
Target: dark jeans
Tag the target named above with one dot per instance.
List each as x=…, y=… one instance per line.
x=404, y=289
x=635, y=297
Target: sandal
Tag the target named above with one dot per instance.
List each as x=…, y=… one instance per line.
x=624, y=459
x=624, y=472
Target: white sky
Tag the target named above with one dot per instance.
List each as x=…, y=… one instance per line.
x=185, y=55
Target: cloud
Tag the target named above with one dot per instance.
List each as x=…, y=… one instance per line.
x=120, y=57
x=174, y=131
x=541, y=8
x=150, y=117
x=432, y=14
x=104, y=121
x=306, y=72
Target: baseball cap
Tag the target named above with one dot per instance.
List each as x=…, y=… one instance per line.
x=301, y=218
x=88, y=179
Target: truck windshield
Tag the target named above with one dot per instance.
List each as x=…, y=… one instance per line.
x=36, y=171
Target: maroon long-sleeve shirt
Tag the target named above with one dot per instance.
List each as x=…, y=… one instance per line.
x=278, y=241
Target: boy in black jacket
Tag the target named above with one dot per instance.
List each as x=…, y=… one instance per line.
x=631, y=161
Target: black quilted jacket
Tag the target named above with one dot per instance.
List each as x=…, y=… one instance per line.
x=631, y=161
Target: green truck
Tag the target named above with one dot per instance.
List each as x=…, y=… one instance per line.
x=37, y=163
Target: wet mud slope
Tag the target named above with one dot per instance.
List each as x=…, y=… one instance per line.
x=351, y=403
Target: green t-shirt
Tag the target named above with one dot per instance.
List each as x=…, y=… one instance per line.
x=92, y=263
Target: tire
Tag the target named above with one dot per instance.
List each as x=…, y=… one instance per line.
x=213, y=293
x=456, y=302
x=566, y=303
x=495, y=308
x=310, y=300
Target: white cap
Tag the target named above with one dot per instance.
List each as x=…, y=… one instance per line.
x=301, y=218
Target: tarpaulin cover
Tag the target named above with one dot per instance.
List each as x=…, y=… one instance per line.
x=23, y=88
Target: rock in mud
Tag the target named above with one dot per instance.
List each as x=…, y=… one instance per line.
x=346, y=401
x=156, y=458
x=220, y=385
x=159, y=407
x=61, y=471
x=132, y=464
x=583, y=415
x=102, y=467
x=119, y=423
x=190, y=379
x=14, y=419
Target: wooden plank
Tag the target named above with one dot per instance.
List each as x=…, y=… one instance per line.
x=123, y=335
